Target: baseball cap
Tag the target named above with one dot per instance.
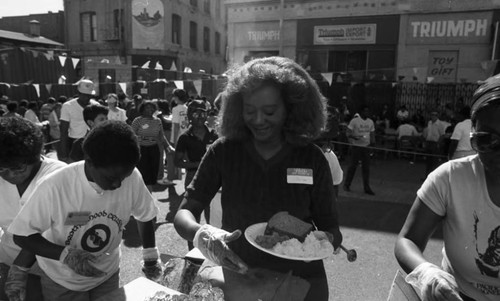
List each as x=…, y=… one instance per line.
x=197, y=104
x=86, y=86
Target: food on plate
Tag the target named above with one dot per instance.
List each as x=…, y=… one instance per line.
x=290, y=236
x=285, y=224
x=312, y=247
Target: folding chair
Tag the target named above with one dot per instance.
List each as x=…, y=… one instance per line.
x=401, y=290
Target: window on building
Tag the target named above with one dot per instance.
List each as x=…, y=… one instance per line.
x=217, y=42
x=206, y=39
x=217, y=9
x=119, y=29
x=194, y=3
x=176, y=29
x=88, y=27
x=206, y=6
x=193, y=35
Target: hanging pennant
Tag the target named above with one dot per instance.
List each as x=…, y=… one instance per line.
x=49, y=56
x=158, y=66
x=49, y=87
x=146, y=65
x=37, y=89
x=123, y=86
x=75, y=62
x=62, y=60
x=179, y=84
x=173, y=67
x=328, y=77
x=197, y=85
x=8, y=86
x=35, y=53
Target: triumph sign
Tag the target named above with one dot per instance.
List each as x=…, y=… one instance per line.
x=345, y=34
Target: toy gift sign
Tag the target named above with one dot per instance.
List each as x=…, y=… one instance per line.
x=443, y=66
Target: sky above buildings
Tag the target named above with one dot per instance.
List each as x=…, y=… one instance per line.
x=27, y=7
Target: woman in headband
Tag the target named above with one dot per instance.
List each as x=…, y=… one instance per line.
x=464, y=195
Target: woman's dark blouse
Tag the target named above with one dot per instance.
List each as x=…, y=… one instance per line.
x=253, y=189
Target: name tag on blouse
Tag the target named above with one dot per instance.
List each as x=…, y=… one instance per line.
x=299, y=176
x=77, y=218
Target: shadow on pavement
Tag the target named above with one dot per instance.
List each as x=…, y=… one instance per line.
x=375, y=216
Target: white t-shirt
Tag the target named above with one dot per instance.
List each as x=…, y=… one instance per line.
x=435, y=130
x=68, y=191
x=179, y=116
x=120, y=115
x=457, y=190
x=72, y=112
x=11, y=203
x=462, y=134
x=333, y=161
x=406, y=130
x=361, y=128
x=31, y=116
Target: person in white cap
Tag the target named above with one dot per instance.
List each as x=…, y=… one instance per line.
x=72, y=124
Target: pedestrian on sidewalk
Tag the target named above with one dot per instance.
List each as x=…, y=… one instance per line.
x=432, y=134
x=74, y=219
x=192, y=145
x=266, y=162
x=149, y=131
x=463, y=196
x=361, y=132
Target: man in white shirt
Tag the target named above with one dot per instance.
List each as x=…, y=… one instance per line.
x=460, y=139
x=180, y=121
x=361, y=133
x=435, y=129
x=72, y=124
x=406, y=129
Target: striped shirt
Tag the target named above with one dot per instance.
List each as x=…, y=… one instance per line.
x=148, y=130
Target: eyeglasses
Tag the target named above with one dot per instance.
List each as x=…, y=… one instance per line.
x=199, y=114
x=15, y=170
x=485, y=142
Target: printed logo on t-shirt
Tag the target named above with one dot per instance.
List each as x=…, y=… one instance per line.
x=97, y=231
x=184, y=121
x=488, y=262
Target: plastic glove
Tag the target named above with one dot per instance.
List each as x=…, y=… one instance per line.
x=211, y=242
x=151, y=265
x=434, y=283
x=15, y=286
x=80, y=261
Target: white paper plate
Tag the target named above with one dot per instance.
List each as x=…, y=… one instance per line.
x=255, y=230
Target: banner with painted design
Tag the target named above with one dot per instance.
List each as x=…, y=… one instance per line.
x=148, y=24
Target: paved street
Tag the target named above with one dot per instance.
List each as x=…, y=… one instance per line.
x=369, y=223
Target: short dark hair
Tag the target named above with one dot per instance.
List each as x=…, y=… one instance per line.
x=112, y=143
x=121, y=96
x=62, y=99
x=32, y=105
x=21, y=141
x=12, y=106
x=23, y=103
x=145, y=103
x=92, y=111
x=51, y=100
x=181, y=94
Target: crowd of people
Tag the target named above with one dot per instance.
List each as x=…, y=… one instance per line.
x=63, y=220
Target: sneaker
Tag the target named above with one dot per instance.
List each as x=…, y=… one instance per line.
x=165, y=181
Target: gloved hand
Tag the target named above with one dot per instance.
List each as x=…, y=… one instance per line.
x=434, y=283
x=15, y=286
x=211, y=242
x=80, y=261
x=151, y=265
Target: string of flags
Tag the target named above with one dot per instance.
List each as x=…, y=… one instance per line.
x=50, y=56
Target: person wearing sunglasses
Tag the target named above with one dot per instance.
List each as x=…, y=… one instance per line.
x=464, y=196
x=22, y=167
